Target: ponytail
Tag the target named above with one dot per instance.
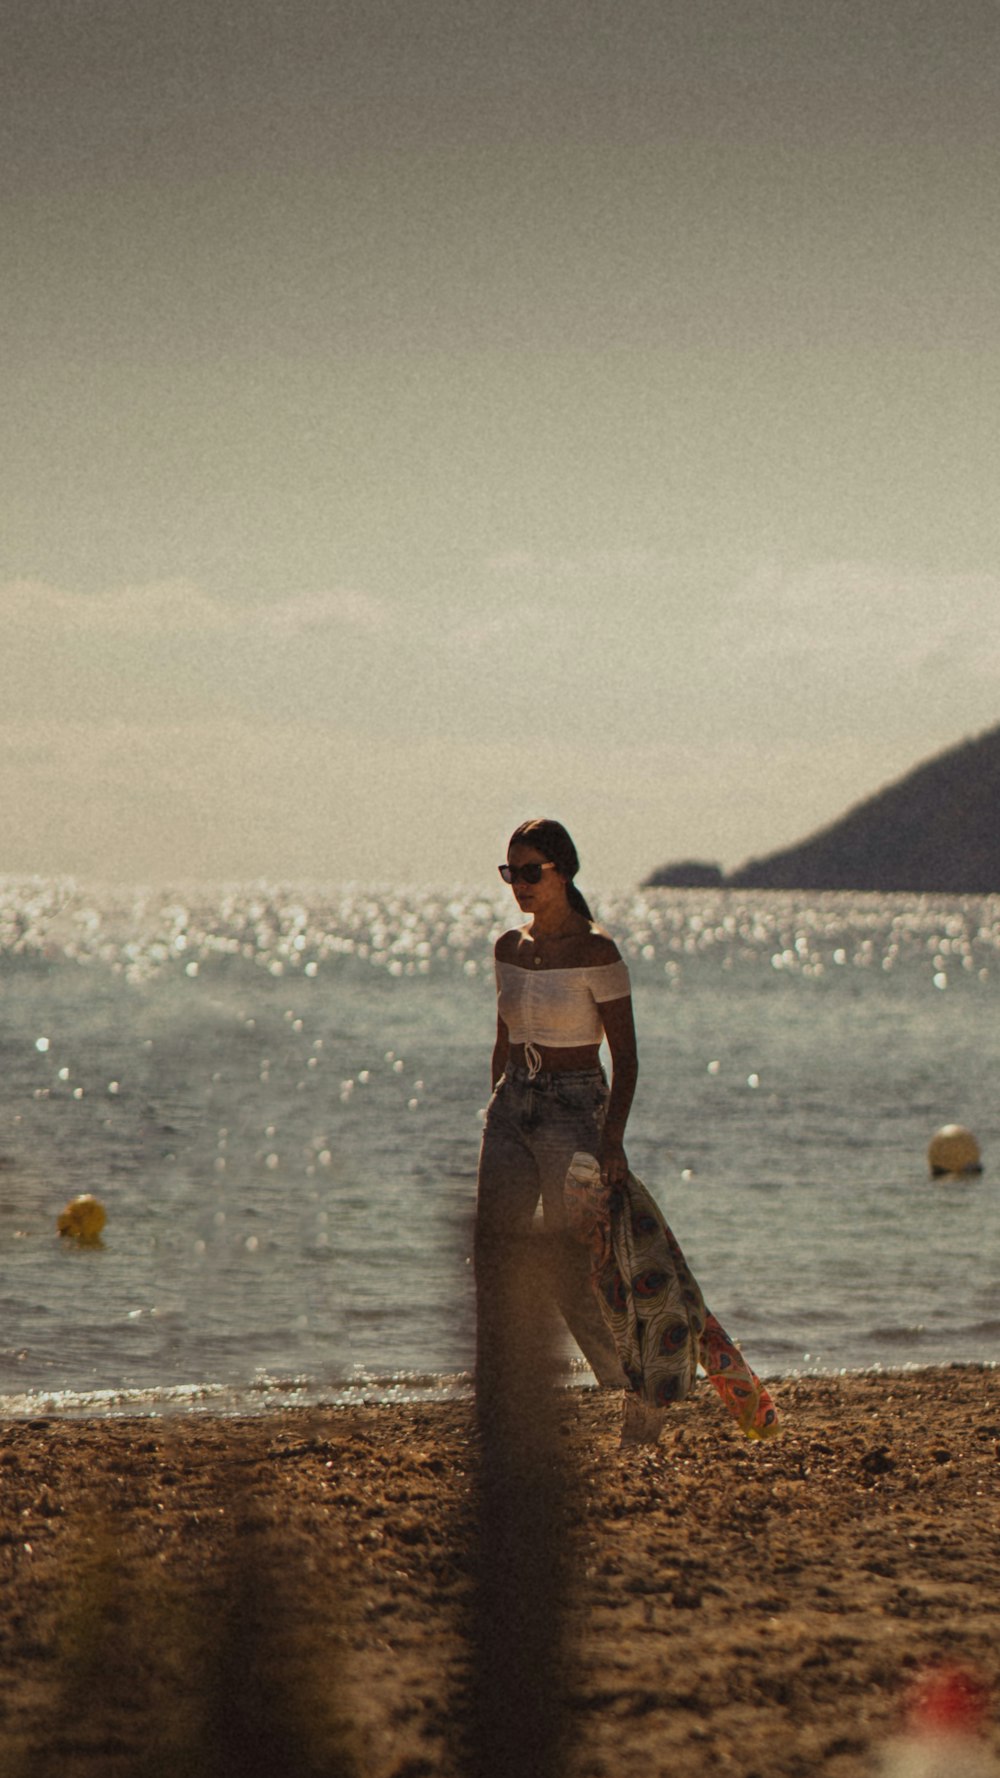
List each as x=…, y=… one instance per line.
x=577, y=901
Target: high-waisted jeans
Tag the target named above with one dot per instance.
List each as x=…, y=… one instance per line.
x=534, y=1126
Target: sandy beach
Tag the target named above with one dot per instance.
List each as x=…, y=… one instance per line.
x=750, y=1609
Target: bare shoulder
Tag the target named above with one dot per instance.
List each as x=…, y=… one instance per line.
x=506, y=948
x=601, y=948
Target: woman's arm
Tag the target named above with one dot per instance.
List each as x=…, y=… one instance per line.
x=500, y=1051
x=619, y=1029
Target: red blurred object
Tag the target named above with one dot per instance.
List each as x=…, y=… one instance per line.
x=948, y=1698
x=945, y=1713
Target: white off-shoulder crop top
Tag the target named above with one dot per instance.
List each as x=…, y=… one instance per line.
x=558, y=1008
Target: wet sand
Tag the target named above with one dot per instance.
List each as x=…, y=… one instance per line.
x=747, y=1609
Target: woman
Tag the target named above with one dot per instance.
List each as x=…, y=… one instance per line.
x=562, y=987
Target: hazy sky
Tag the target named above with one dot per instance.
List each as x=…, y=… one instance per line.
x=420, y=414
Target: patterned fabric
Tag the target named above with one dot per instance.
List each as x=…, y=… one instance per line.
x=654, y=1308
x=741, y=1390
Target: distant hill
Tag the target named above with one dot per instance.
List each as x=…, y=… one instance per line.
x=936, y=831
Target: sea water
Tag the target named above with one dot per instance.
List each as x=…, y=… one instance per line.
x=277, y=1094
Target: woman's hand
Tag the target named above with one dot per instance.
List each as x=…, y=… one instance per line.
x=612, y=1161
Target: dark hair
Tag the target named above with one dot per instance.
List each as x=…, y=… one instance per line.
x=551, y=839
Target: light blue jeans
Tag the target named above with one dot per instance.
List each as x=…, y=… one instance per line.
x=534, y=1126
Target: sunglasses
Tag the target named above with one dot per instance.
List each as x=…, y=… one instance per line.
x=523, y=873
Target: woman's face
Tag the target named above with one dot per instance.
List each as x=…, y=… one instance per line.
x=548, y=892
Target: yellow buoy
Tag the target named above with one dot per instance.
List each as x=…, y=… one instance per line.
x=953, y=1149
x=83, y=1218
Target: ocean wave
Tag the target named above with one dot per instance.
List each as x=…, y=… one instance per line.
x=264, y=1395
